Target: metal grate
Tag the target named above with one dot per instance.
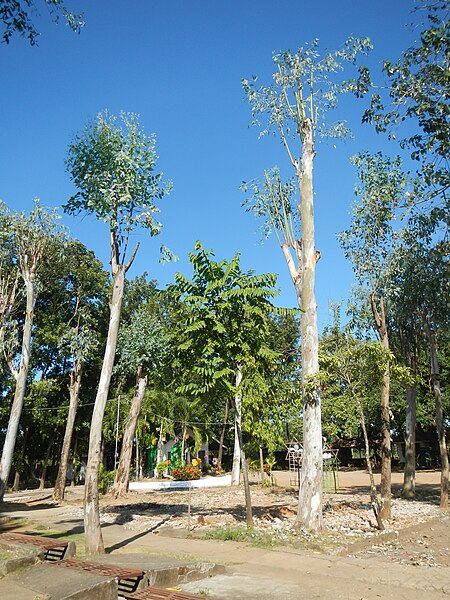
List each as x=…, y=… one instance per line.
x=128, y=579
x=54, y=549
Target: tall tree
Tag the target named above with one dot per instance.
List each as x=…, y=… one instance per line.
x=83, y=284
x=112, y=164
x=294, y=106
x=32, y=234
x=419, y=276
x=142, y=346
x=222, y=333
x=368, y=243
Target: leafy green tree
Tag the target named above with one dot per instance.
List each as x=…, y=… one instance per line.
x=419, y=285
x=16, y=17
x=112, y=164
x=142, y=347
x=414, y=107
x=222, y=330
x=368, y=244
x=82, y=288
x=355, y=366
x=294, y=106
x=32, y=234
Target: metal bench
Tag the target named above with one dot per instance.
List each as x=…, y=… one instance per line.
x=154, y=593
x=127, y=579
x=54, y=550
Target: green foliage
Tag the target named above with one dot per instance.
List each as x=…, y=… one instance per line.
x=105, y=479
x=305, y=86
x=162, y=467
x=16, y=18
x=419, y=88
x=370, y=239
x=352, y=370
x=112, y=164
x=219, y=322
x=142, y=343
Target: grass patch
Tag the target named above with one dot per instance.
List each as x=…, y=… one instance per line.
x=13, y=522
x=323, y=543
x=255, y=537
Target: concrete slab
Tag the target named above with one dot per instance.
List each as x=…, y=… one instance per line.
x=45, y=581
x=164, y=571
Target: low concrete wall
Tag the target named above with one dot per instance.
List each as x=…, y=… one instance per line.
x=204, y=482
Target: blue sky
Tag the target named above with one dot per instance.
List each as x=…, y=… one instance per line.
x=179, y=64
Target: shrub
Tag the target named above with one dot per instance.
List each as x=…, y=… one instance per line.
x=162, y=467
x=215, y=471
x=105, y=479
x=186, y=473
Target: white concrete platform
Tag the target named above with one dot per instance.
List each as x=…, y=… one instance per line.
x=170, y=484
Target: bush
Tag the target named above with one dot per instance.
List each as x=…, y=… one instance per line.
x=215, y=471
x=105, y=479
x=186, y=473
x=162, y=467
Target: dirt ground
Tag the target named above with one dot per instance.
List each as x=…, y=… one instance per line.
x=415, y=543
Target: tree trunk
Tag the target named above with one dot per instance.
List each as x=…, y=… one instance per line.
x=236, y=468
x=122, y=479
x=94, y=539
x=375, y=502
x=74, y=393
x=183, y=444
x=45, y=465
x=159, y=452
x=386, y=451
x=309, y=513
x=15, y=487
x=74, y=460
x=21, y=382
x=222, y=434
x=435, y=380
x=409, y=478
x=238, y=422
x=261, y=464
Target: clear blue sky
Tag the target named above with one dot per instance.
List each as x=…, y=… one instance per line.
x=179, y=64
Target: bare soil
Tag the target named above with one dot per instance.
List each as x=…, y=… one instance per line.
x=417, y=534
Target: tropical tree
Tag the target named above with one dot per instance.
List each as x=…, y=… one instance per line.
x=222, y=333
x=142, y=346
x=368, y=244
x=419, y=282
x=83, y=287
x=112, y=164
x=354, y=367
x=294, y=106
x=32, y=234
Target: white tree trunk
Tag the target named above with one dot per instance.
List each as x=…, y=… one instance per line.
x=122, y=479
x=238, y=422
x=236, y=469
x=94, y=539
x=74, y=393
x=309, y=513
x=21, y=382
